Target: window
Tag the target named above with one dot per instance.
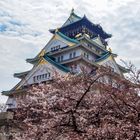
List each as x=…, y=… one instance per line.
x=52, y=49
x=86, y=55
x=49, y=74
x=34, y=78
x=70, y=55
x=55, y=48
x=62, y=58
x=41, y=77
x=46, y=75
x=58, y=47
x=58, y=59
x=74, y=54
x=98, y=51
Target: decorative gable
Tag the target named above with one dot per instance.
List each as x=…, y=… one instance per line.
x=98, y=41
x=54, y=45
x=110, y=62
x=43, y=71
x=72, y=18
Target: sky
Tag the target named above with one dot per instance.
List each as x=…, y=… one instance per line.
x=24, y=26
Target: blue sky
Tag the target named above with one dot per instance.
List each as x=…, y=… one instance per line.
x=24, y=29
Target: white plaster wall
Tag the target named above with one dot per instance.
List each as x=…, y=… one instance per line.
x=11, y=103
x=66, y=55
x=42, y=69
x=98, y=41
x=39, y=70
x=54, y=43
x=110, y=62
x=91, y=56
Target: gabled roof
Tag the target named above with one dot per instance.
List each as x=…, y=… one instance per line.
x=123, y=69
x=32, y=60
x=72, y=18
x=92, y=42
x=21, y=74
x=59, y=36
x=58, y=65
x=66, y=37
x=103, y=57
x=98, y=40
x=46, y=58
x=11, y=92
x=106, y=56
x=84, y=22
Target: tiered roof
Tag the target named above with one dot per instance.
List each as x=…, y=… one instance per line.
x=92, y=33
x=75, y=24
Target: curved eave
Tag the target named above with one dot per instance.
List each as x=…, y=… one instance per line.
x=59, y=66
x=52, y=31
x=12, y=92
x=99, y=28
x=123, y=69
x=7, y=93
x=21, y=75
x=114, y=55
x=67, y=38
x=32, y=60
x=103, y=57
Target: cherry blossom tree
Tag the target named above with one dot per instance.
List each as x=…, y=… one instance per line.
x=83, y=106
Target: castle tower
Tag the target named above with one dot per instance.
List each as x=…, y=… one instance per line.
x=77, y=43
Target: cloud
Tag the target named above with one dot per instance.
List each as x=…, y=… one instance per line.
x=2, y=27
x=16, y=22
x=12, y=25
x=24, y=29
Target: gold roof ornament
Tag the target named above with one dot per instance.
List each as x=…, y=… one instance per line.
x=78, y=35
x=56, y=30
x=87, y=35
x=42, y=53
x=110, y=50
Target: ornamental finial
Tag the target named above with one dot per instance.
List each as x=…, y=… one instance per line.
x=42, y=53
x=72, y=10
x=56, y=30
x=110, y=50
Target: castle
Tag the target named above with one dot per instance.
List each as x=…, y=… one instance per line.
x=77, y=43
